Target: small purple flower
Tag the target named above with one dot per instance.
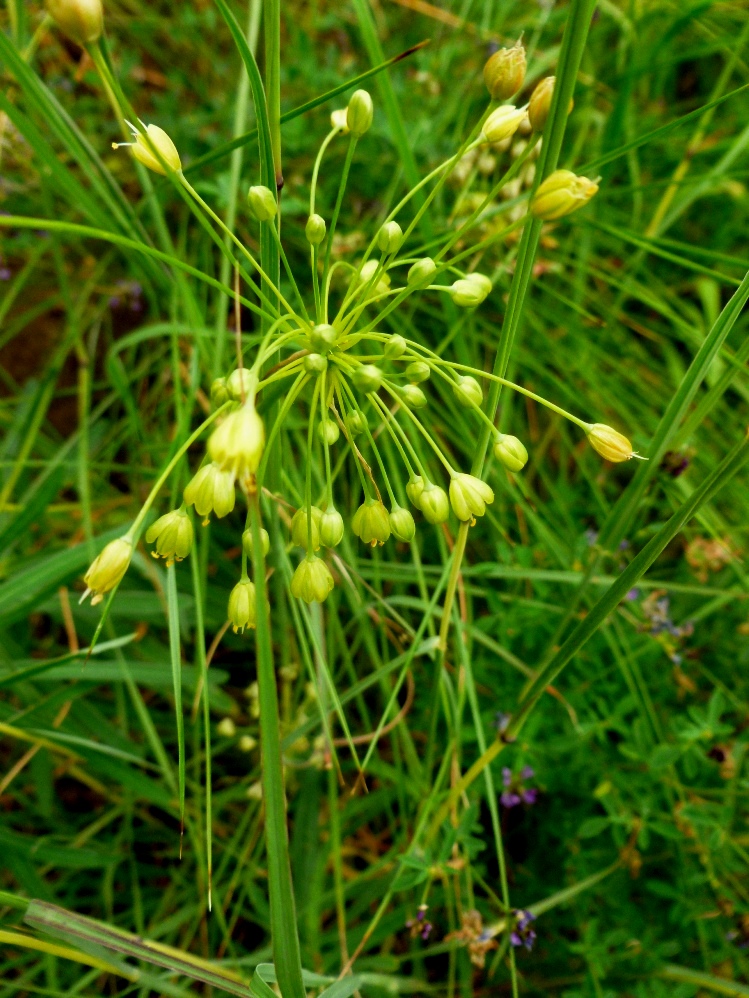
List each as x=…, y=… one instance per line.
x=529, y=796
x=506, y=776
x=633, y=594
x=515, y=793
x=509, y=799
x=624, y=545
x=426, y=931
x=527, y=773
x=523, y=934
x=5, y=273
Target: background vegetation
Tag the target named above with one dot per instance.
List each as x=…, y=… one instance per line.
x=632, y=851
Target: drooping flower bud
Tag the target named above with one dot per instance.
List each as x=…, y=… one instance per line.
x=510, y=452
x=390, y=238
x=299, y=532
x=540, y=103
x=322, y=337
x=356, y=422
x=312, y=580
x=327, y=429
x=421, y=273
x=247, y=542
x=560, y=194
x=395, y=347
x=413, y=397
x=367, y=272
x=502, y=123
x=331, y=528
x=402, y=524
x=367, y=378
x=418, y=371
x=173, y=534
x=338, y=119
x=242, y=610
x=414, y=489
x=609, y=443
x=470, y=291
x=434, y=504
x=81, y=20
x=237, y=445
x=226, y=728
x=359, y=113
x=239, y=383
x=219, y=393
x=469, y=496
x=315, y=363
x=371, y=522
x=315, y=229
x=504, y=72
x=262, y=203
x=211, y=490
x=107, y=569
x=468, y=391
x=143, y=146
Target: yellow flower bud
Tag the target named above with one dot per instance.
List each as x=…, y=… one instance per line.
x=609, y=443
x=414, y=489
x=502, y=123
x=247, y=542
x=434, y=504
x=242, y=610
x=402, y=524
x=540, y=103
x=366, y=274
x=338, y=120
x=143, y=147
x=418, y=371
x=510, y=452
x=367, y=378
x=421, y=273
x=226, y=728
x=312, y=580
x=322, y=337
x=315, y=229
x=211, y=490
x=359, y=113
x=395, y=347
x=331, y=528
x=247, y=743
x=315, y=363
x=468, y=391
x=390, y=238
x=107, y=569
x=413, y=397
x=327, y=429
x=81, y=20
x=471, y=290
x=238, y=443
x=560, y=194
x=239, y=383
x=219, y=392
x=299, y=532
x=173, y=534
x=504, y=72
x=262, y=203
x=356, y=422
x=371, y=522
x=469, y=496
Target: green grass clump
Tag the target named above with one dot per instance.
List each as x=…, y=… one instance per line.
x=496, y=758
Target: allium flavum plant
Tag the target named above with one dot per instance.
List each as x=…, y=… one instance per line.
x=339, y=358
